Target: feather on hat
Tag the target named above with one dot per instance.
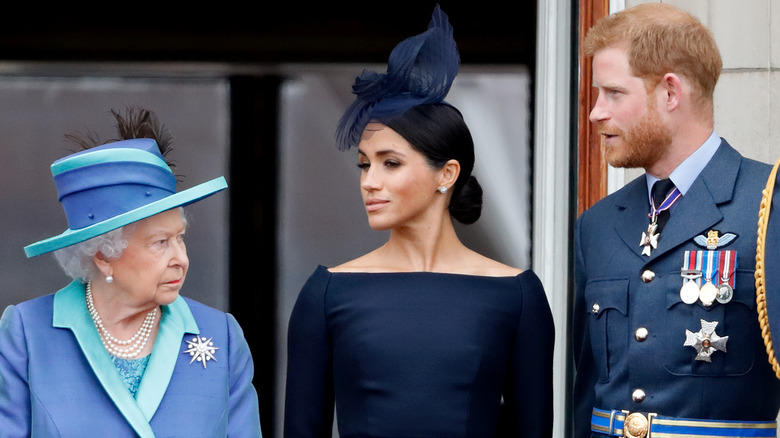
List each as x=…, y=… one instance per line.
x=105, y=187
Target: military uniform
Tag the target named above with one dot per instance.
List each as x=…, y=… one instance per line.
x=638, y=346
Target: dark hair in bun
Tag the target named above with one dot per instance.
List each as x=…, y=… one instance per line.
x=439, y=132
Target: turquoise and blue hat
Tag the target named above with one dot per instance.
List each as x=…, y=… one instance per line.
x=109, y=186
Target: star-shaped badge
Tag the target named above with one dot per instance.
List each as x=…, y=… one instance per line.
x=705, y=341
x=201, y=349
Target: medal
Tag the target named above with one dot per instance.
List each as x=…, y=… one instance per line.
x=708, y=292
x=725, y=293
x=705, y=341
x=689, y=292
x=726, y=260
x=649, y=240
x=726, y=288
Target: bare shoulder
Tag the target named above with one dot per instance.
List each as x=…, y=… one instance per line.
x=477, y=264
x=497, y=269
x=466, y=262
x=366, y=263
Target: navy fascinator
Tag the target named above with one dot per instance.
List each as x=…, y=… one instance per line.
x=420, y=70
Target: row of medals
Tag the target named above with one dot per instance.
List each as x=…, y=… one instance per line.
x=707, y=293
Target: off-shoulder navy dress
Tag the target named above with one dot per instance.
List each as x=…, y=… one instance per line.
x=420, y=354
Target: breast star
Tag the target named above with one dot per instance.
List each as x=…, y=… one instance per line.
x=201, y=349
x=705, y=341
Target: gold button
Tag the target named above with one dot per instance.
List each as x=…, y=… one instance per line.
x=648, y=276
x=638, y=395
x=641, y=334
x=595, y=309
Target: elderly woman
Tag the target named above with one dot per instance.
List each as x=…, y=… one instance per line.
x=421, y=337
x=119, y=352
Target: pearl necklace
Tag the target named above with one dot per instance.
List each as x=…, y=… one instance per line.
x=115, y=346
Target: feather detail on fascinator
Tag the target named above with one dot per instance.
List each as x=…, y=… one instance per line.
x=420, y=70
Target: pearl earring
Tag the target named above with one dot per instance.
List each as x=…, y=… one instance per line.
x=110, y=279
x=442, y=190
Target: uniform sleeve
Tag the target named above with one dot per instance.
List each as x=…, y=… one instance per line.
x=14, y=389
x=585, y=371
x=243, y=411
x=528, y=395
x=309, y=399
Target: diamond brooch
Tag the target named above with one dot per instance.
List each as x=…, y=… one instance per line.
x=201, y=349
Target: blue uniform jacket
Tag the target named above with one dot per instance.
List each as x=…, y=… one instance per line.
x=612, y=302
x=57, y=380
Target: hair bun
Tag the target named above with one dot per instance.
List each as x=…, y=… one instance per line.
x=466, y=202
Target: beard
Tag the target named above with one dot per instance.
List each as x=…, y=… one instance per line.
x=641, y=145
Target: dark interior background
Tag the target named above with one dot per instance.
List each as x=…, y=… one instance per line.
x=244, y=42
x=322, y=32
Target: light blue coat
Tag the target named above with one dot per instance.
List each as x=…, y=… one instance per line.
x=57, y=380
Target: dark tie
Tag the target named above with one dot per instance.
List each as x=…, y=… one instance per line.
x=660, y=190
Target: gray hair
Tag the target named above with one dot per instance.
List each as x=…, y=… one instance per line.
x=76, y=260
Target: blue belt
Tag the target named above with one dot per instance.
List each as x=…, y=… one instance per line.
x=639, y=425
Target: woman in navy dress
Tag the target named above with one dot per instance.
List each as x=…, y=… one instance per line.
x=421, y=337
